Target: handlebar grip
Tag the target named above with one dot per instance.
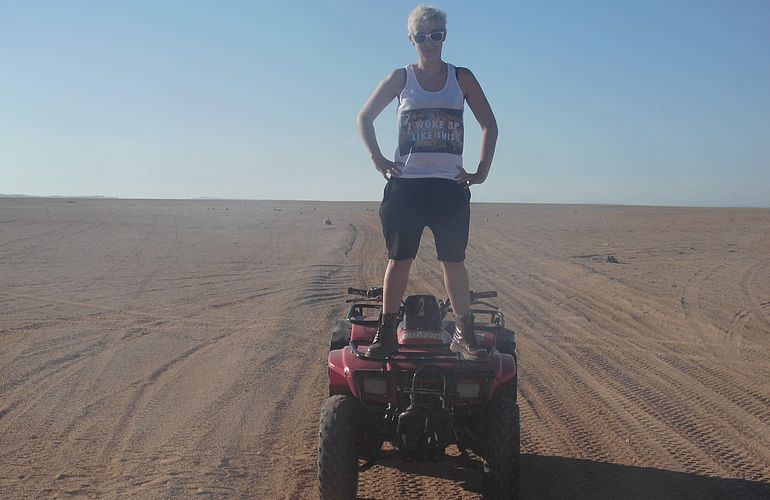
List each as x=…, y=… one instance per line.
x=484, y=295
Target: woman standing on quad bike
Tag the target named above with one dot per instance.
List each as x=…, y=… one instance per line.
x=427, y=184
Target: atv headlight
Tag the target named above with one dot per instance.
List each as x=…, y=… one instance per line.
x=375, y=385
x=468, y=390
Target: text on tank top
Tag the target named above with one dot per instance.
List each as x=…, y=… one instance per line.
x=430, y=128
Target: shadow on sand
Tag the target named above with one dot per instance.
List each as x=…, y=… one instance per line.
x=547, y=477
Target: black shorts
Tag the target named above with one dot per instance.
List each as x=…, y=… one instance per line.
x=408, y=205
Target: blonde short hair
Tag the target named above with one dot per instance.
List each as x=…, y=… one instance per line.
x=424, y=14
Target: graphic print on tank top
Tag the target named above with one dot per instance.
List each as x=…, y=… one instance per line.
x=431, y=130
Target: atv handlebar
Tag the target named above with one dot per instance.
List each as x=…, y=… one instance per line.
x=371, y=293
x=376, y=293
x=475, y=298
x=482, y=295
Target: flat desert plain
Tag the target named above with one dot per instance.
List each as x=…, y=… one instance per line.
x=173, y=348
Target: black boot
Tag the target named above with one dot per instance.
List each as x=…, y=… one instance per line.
x=464, y=340
x=384, y=342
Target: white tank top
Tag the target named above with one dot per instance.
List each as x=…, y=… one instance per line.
x=430, y=128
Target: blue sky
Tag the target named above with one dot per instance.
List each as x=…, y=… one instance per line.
x=662, y=103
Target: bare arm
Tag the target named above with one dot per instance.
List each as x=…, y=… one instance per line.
x=478, y=103
x=388, y=89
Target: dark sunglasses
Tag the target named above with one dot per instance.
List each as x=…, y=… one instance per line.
x=436, y=36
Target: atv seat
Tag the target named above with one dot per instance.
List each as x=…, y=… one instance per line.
x=421, y=312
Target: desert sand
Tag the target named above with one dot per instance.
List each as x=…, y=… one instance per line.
x=170, y=348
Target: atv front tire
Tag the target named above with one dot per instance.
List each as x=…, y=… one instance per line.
x=337, y=457
x=501, y=449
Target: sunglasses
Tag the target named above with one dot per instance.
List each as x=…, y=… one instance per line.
x=436, y=36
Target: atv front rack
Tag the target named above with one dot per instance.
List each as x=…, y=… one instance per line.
x=427, y=352
x=437, y=352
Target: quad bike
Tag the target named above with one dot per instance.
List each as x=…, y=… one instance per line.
x=422, y=397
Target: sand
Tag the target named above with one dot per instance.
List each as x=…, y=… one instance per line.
x=153, y=348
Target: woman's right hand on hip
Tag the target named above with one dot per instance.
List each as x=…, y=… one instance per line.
x=387, y=168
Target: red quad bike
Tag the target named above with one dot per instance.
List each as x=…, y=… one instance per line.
x=422, y=398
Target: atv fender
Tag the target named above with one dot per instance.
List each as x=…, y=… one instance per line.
x=505, y=371
x=342, y=365
x=338, y=375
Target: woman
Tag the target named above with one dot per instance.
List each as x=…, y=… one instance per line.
x=427, y=184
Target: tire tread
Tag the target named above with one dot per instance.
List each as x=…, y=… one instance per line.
x=337, y=460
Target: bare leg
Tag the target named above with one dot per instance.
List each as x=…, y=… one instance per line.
x=394, y=284
x=456, y=283
x=464, y=341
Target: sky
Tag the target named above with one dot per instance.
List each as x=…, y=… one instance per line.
x=618, y=102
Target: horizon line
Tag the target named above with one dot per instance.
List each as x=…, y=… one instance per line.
x=216, y=198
